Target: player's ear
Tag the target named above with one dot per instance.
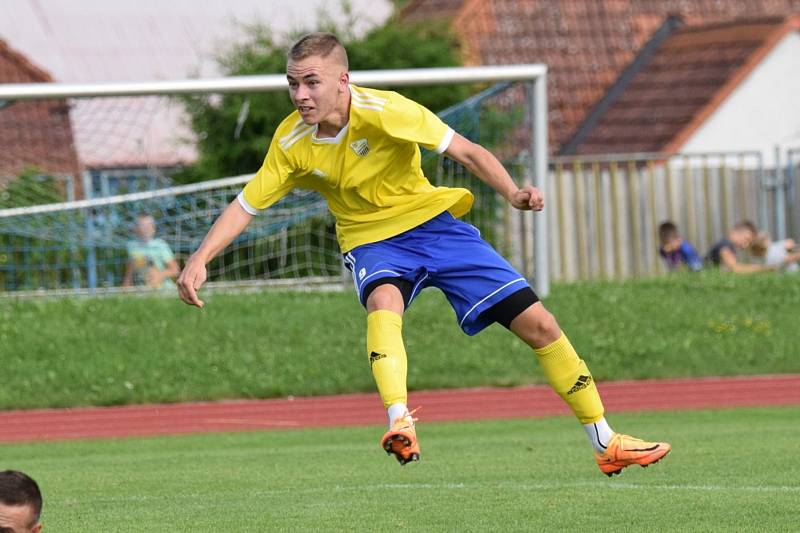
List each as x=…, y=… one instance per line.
x=344, y=81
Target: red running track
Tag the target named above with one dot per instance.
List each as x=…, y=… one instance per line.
x=364, y=409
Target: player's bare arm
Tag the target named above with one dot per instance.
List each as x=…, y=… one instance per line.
x=485, y=165
x=228, y=226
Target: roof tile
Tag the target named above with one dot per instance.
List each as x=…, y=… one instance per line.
x=684, y=74
x=585, y=43
x=33, y=134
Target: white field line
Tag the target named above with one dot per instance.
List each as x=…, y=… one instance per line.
x=533, y=487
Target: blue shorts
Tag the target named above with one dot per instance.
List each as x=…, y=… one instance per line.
x=446, y=253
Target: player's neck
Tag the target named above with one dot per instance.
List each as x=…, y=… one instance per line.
x=338, y=119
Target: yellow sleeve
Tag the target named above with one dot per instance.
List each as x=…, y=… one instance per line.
x=271, y=183
x=406, y=120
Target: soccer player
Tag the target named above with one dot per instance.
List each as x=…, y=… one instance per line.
x=359, y=148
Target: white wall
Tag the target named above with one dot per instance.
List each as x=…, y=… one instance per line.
x=764, y=110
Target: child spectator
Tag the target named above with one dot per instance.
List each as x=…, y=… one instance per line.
x=676, y=251
x=783, y=254
x=740, y=237
x=150, y=260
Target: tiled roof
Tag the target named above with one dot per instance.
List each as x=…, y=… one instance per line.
x=419, y=10
x=585, y=43
x=688, y=75
x=33, y=134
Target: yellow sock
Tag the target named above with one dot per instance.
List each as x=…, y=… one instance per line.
x=570, y=378
x=387, y=355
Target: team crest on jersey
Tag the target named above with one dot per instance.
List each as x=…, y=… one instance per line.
x=360, y=147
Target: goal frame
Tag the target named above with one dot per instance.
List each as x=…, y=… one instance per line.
x=534, y=75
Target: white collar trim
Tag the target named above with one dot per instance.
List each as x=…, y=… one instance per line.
x=329, y=140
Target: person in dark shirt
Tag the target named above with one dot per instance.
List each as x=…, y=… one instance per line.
x=676, y=251
x=740, y=237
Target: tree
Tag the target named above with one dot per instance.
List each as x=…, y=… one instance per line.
x=31, y=187
x=234, y=130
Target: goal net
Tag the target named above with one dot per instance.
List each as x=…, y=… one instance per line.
x=69, y=229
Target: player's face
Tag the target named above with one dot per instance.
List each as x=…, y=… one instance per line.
x=314, y=86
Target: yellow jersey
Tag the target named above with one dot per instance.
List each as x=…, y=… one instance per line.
x=370, y=173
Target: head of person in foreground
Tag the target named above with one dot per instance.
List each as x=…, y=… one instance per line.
x=20, y=503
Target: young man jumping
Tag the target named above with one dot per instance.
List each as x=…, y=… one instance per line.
x=399, y=234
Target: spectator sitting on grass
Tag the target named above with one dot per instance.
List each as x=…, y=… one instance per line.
x=782, y=254
x=676, y=251
x=740, y=237
x=150, y=260
x=20, y=503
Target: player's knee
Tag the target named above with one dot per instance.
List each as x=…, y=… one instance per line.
x=386, y=297
x=536, y=326
x=547, y=327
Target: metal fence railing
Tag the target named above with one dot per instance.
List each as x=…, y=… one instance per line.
x=604, y=211
x=791, y=177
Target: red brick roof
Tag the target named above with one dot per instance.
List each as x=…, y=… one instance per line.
x=33, y=134
x=421, y=10
x=585, y=43
x=687, y=77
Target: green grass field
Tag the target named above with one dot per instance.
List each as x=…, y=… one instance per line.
x=730, y=470
x=138, y=349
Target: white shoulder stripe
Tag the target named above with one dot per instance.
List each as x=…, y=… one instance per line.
x=286, y=144
x=363, y=106
x=297, y=127
x=365, y=96
x=368, y=98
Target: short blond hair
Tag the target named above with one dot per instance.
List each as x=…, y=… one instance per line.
x=318, y=44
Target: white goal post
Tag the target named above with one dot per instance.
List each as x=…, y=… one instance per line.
x=533, y=75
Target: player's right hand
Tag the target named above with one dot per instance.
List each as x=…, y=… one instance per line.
x=191, y=279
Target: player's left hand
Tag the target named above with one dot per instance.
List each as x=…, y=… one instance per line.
x=528, y=198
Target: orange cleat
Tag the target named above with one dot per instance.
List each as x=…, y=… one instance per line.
x=401, y=439
x=624, y=450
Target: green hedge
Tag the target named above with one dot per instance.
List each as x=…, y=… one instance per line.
x=138, y=349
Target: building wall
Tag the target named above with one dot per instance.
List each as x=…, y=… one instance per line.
x=764, y=111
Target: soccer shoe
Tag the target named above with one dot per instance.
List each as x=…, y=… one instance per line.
x=401, y=439
x=624, y=450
